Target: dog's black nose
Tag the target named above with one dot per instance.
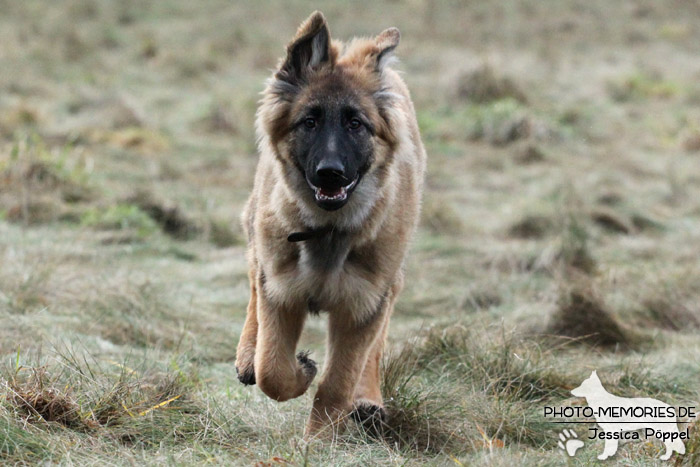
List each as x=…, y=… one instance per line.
x=331, y=171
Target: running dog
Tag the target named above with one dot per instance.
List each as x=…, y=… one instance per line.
x=335, y=202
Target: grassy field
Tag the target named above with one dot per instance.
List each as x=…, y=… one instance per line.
x=560, y=232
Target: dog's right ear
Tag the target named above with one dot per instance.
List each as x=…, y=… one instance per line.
x=308, y=51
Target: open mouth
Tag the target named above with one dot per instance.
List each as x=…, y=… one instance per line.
x=334, y=194
x=332, y=198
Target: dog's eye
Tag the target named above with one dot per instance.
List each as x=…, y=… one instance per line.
x=310, y=122
x=354, y=124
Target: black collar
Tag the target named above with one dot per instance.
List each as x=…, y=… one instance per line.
x=307, y=234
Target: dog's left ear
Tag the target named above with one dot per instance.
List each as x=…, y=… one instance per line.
x=308, y=51
x=386, y=42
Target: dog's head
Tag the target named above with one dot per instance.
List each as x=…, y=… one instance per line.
x=326, y=113
x=591, y=386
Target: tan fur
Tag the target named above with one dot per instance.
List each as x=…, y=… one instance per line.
x=379, y=220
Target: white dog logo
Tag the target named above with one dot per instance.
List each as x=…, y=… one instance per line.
x=616, y=415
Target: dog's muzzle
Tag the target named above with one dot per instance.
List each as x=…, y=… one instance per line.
x=333, y=196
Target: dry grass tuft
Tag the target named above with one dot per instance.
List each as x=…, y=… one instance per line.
x=39, y=185
x=139, y=406
x=672, y=314
x=481, y=299
x=447, y=392
x=644, y=223
x=121, y=216
x=673, y=305
x=218, y=120
x=643, y=84
x=501, y=122
x=140, y=139
x=610, y=221
x=40, y=399
x=582, y=315
x=611, y=198
x=439, y=217
x=25, y=286
x=691, y=141
x=626, y=222
x=167, y=215
x=574, y=251
x=108, y=112
x=529, y=153
x=483, y=85
x=222, y=235
x=20, y=117
x=533, y=226
x=135, y=315
x=488, y=358
x=418, y=419
x=37, y=211
x=692, y=447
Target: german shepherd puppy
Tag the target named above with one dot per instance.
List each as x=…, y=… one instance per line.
x=335, y=202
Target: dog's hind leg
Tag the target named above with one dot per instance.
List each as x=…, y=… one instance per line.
x=278, y=372
x=349, y=345
x=245, y=353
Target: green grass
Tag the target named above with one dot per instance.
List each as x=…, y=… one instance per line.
x=120, y=217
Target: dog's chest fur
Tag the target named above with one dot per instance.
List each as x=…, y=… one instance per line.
x=325, y=253
x=326, y=277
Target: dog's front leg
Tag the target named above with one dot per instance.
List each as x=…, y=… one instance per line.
x=278, y=372
x=349, y=344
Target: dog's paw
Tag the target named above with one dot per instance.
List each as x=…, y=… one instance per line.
x=246, y=376
x=308, y=366
x=372, y=417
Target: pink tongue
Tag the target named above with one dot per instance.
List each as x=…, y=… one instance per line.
x=330, y=192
